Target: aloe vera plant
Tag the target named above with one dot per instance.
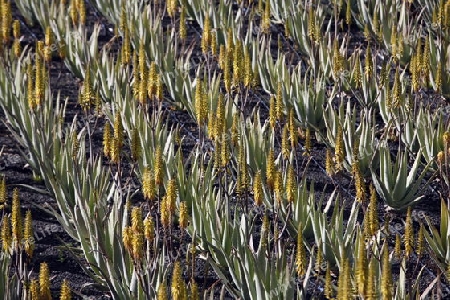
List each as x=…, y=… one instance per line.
x=439, y=240
x=396, y=185
x=243, y=267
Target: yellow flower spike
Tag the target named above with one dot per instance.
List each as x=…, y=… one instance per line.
x=248, y=71
x=137, y=238
x=357, y=76
x=149, y=229
x=159, y=88
x=278, y=186
x=270, y=169
x=44, y=282
x=373, y=212
x=272, y=112
x=446, y=139
x=258, y=193
x=136, y=148
x=6, y=235
x=204, y=102
x=383, y=75
x=377, y=28
x=397, y=247
x=214, y=42
x=141, y=80
x=206, y=37
x=34, y=289
x=171, y=195
x=329, y=165
x=222, y=56
x=308, y=145
x=361, y=266
x=447, y=14
x=293, y=135
x=28, y=235
x=162, y=291
x=178, y=286
x=148, y=185
x=345, y=290
x=368, y=63
x=16, y=219
x=348, y=14
x=238, y=69
x=6, y=18
x=126, y=47
x=366, y=225
x=230, y=42
x=152, y=81
x=198, y=101
x=1, y=26
x=217, y=152
x=3, y=192
x=279, y=104
x=260, y=8
x=194, y=290
x=439, y=77
x=117, y=141
x=339, y=150
x=16, y=48
x=66, y=294
x=242, y=176
x=328, y=289
x=285, y=150
x=123, y=17
x=300, y=258
x=49, y=39
x=16, y=29
x=425, y=66
x=338, y=59
x=171, y=8
x=265, y=22
x=413, y=68
x=235, y=128
x=107, y=140
x=386, y=275
x=158, y=166
x=30, y=87
x=224, y=152
x=366, y=32
x=418, y=53
x=39, y=80
x=127, y=234
x=408, y=238
x=311, y=24
x=372, y=287
x=265, y=228
x=318, y=264
x=166, y=217
x=81, y=11
x=183, y=29
x=359, y=183
x=184, y=216
x=394, y=50
x=75, y=145
x=291, y=184
x=73, y=13
x=420, y=241
x=441, y=13
x=219, y=123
